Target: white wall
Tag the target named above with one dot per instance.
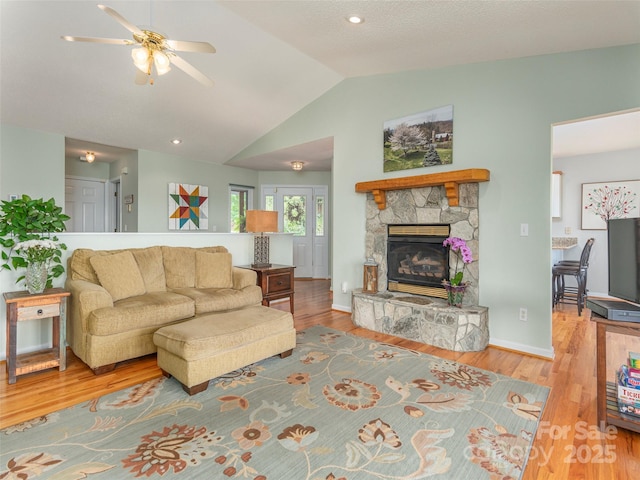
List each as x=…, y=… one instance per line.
x=502, y=113
x=597, y=167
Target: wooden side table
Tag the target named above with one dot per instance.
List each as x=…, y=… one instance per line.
x=276, y=282
x=607, y=392
x=52, y=303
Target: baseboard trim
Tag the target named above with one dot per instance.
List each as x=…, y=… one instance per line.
x=340, y=308
x=547, y=354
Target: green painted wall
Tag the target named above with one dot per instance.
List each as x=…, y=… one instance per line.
x=30, y=161
x=74, y=167
x=294, y=178
x=503, y=112
x=157, y=170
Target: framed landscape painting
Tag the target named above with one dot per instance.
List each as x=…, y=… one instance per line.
x=421, y=140
x=604, y=201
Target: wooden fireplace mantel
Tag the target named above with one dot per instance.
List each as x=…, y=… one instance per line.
x=450, y=181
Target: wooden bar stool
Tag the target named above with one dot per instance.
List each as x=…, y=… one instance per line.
x=576, y=268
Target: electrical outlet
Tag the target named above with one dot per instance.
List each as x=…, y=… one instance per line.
x=567, y=230
x=344, y=287
x=523, y=314
x=524, y=229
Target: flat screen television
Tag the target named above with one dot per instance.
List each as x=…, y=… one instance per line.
x=624, y=258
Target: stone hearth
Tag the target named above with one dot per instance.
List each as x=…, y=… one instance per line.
x=424, y=320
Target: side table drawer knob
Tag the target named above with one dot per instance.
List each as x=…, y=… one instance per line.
x=39, y=311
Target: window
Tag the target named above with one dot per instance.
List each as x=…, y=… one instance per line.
x=320, y=216
x=240, y=200
x=295, y=214
x=269, y=202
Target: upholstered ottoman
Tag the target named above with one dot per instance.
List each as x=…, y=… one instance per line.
x=206, y=347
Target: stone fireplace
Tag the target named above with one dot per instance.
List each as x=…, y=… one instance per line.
x=425, y=206
x=444, y=204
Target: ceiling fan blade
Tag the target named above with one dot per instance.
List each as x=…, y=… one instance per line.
x=191, y=70
x=141, y=77
x=112, y=41
x=121, y=20
x=185, y=46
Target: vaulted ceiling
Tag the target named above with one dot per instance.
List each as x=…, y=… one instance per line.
x=273, y=58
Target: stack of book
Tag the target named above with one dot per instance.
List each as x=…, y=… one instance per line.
x=629, y=386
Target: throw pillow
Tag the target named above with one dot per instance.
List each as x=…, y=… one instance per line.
x=214, y=270
x=119, y=275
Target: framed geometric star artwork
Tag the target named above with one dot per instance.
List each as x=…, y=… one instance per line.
x=188, y=207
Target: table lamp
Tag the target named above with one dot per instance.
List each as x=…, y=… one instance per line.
x=261, y=221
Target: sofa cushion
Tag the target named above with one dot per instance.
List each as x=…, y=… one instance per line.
x=221, y=299
x=148, y=310
x=151, y=268
x=119, y=274
x=179, y=266
x=213, y=270
x=80, y=266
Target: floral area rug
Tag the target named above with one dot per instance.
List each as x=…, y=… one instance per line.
x=341, y=407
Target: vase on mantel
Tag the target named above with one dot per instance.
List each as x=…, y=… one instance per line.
x=35, y=277
x=455, y=293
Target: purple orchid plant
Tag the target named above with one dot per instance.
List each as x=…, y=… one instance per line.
x=463, y=252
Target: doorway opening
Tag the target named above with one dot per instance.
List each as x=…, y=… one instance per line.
x=303, y=212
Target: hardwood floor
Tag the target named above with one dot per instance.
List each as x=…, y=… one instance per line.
x=567, y=445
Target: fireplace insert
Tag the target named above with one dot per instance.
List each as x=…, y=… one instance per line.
x=417, y=262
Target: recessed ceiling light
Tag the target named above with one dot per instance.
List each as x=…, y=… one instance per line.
x=355, y=19
x=176, y=141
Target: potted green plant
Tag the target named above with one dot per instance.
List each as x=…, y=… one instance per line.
x=27, y=236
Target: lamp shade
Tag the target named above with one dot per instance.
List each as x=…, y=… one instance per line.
x=262, y=221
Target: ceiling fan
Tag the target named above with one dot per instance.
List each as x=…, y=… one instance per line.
x=154, y=52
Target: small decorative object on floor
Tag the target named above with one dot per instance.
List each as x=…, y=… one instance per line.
x=370, y=283
x=455, y=287
x=35, y=278
x=455, y=293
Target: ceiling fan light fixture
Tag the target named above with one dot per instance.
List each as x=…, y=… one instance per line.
x=162, y=62
x=140, y=57
x=297, y=166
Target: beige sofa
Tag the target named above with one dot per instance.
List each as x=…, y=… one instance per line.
x=119, y=298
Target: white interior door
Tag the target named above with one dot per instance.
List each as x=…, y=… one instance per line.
x=85, y=204
x=302, y=212
x=295, y=203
